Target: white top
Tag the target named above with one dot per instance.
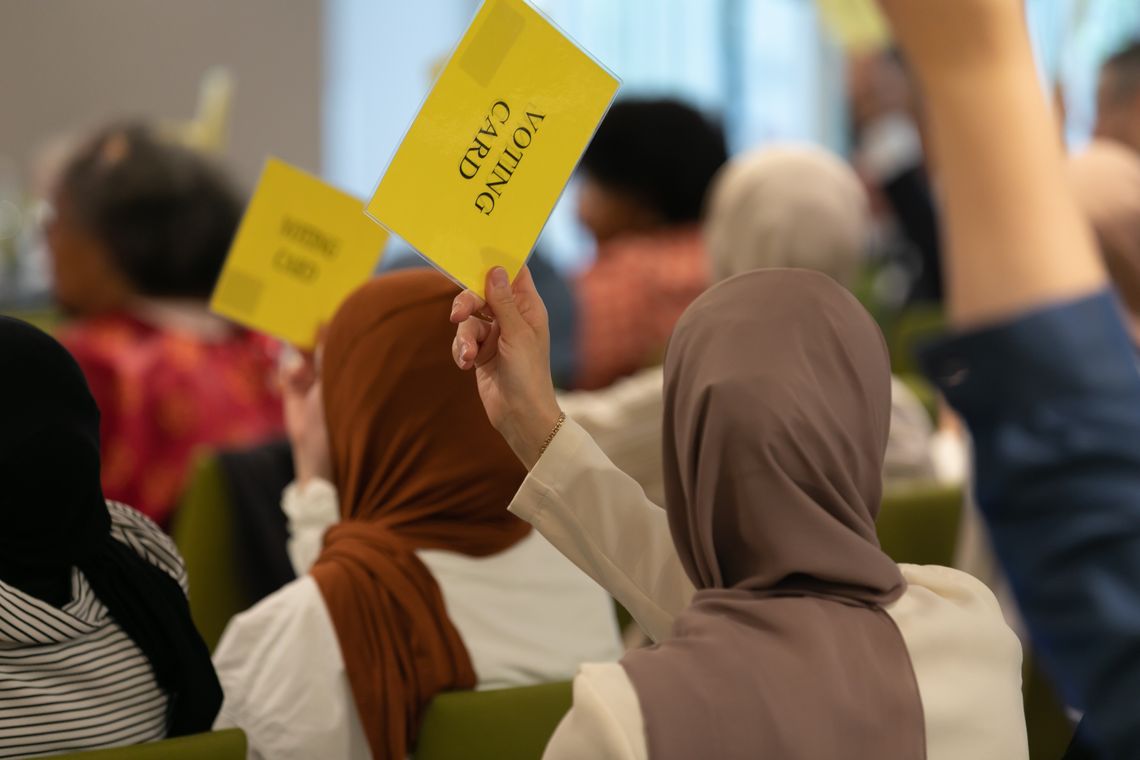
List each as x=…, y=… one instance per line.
x=625, y=421
x=966, y=660
x=526, y=615
x=70, y=678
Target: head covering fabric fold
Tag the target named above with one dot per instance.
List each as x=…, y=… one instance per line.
x=777, y=408
x=789, y=206
x=418, y=466
x=1106, y=181
x=56, y=518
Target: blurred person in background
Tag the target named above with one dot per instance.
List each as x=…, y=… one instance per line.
x=793, y=206
x=556, y=293
x=643, y=183
x=137, y=238
x=1106, y=180
x=887, y=133
x=1118, y=98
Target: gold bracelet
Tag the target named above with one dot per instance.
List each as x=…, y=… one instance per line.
x=554, y=432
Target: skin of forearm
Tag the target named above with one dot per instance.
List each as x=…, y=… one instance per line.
x=1015, y=240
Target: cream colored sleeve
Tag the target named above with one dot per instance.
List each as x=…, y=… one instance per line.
x=602, y=521
x=605, y=721
x=311, y=511
x=625, y=421
x=967, y=663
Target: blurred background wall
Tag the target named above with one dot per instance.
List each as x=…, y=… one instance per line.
x=331, y=85
x=70, y=64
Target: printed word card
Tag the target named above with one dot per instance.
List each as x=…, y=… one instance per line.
x=494, y=144
x=302, y=247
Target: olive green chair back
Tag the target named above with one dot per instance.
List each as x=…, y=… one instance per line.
x=918, y=524
x=45, y=318
x=504, y=724
x=219, y=745
x=204, y=533
x=914, y=327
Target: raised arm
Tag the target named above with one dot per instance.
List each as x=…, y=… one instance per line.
x=1043, y=372
x=1014, y=237
x=585, y=506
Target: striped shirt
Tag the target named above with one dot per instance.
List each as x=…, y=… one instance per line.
x=70, y=678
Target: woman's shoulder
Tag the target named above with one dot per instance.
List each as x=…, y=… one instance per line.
x=950, y=587
x=139, y=532
x=951, y=619
x=605, y=720
x=967, y=664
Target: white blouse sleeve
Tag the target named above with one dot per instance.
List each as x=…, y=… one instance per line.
x=311, y=511
x=605, y=722
x=601, y=520
x=285, y=682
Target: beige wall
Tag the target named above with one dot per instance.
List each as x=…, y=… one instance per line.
x=67, y=64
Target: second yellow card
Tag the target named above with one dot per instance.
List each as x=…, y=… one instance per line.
x=302, y=247
x=480, y=169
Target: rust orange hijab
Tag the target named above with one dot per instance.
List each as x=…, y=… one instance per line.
x=417, y=466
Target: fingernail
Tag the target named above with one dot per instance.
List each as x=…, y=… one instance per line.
x=499, y=278
x=463, y=348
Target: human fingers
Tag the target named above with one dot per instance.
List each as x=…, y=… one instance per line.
x=465, y=306
x=469, y=336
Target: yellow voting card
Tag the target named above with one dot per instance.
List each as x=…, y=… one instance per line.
x=302, y=247
x=480, y=169
x=857, y=25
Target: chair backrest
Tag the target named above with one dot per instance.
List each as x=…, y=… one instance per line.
x=919, y=524
x=504, y=724
x=45, y=317
x=204, y=533
x=914, y=327
x=218, y=745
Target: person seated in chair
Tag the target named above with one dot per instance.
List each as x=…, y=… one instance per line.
x=140, y=231
x=413, y=577
x=97, y=648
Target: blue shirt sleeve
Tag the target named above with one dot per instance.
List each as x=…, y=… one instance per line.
x=1052, y=400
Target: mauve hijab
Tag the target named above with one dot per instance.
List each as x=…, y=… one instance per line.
x=777, y=409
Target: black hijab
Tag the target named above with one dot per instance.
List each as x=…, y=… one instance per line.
x=55, y=518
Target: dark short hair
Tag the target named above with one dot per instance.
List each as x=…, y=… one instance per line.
x=1125, y=68
x=662, y=152
x=166, y=214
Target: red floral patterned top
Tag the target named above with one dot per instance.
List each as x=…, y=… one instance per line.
x=630, y=300
x=163, y=394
